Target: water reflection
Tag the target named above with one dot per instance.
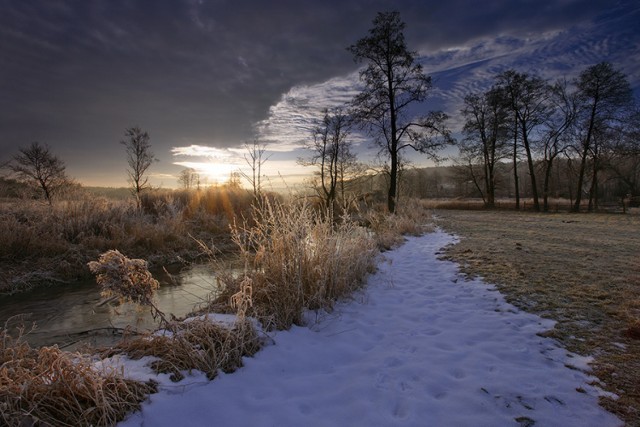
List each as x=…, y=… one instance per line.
x=71, y=315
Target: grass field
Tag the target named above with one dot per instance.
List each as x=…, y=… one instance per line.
x=582, y=270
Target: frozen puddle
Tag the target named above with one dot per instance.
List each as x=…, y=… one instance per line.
x=418, y=347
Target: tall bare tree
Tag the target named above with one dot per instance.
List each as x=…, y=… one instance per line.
x=622, y=159
x=604, y=95
x=36, y=164
x=556, y=134
x=331, y=154
x=255, y=157
x=527, y=96
x=486, y=132
x=139, y=158
x=393, y=83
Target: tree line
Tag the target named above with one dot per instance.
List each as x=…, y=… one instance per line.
x=589, y=123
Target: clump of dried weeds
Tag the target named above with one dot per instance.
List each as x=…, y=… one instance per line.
x=192, y=344
x=51, y=387
x=296, y=259
x=127, y=279
x=412, y=218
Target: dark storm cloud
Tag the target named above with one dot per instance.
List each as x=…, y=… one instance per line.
x=75, y=74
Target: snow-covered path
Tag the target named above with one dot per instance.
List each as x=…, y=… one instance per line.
x=419, y=347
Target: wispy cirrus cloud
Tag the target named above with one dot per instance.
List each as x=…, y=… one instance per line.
x=291, y=120
x=469, y=67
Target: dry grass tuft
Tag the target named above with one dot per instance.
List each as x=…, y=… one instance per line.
x=296, y=258
x=198, y=344
x=50, y=387
x=413, y=218
x=191, y=344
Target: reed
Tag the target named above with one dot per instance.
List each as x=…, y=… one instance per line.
x=296, y=259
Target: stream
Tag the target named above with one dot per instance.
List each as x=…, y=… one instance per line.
x=72, y=315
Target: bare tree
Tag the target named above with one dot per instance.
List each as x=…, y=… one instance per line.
x=621, y=159
x=255, y=159
x=527, y=96
x=139, y=158
x=38, y=165
x=486, y=131
x=331, y=154
x=189, y=179
x=556, y=135
x=394, y=81
x=604, y=94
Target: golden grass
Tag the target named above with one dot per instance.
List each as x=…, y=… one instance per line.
x=294, y=259
x=194, y=344
x=582, y=270
x=412, y=218
x=50, y=387
x=40, y=243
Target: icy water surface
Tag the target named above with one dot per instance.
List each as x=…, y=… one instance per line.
x=72, y=314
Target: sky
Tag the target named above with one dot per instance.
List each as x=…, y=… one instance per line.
x=203, y=77
x=420, y=346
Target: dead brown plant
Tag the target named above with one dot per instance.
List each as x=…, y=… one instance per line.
x=296, y=258
x=413, y=217
x=51, y=387
x=195, y=344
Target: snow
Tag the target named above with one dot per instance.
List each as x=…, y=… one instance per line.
x=420, y=346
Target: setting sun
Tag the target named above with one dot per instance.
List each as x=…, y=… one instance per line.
x=214, y=165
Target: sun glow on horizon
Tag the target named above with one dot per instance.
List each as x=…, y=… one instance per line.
x=214, y=165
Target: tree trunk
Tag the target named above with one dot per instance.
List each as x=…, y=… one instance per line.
x=532, y=172
x=547, y=181
x=393, y=182
x=583, y=164
x=593, y=190
x=515, y=175
x=393, y=152
x=516, y=184
x=583, y=159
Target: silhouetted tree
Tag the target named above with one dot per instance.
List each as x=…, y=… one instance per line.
x=331, y=154
x=527, y=98
x=393, y=82
x=36, y=164
x=139, y=158
x=556, y=135
x=604, y=95
x=621, y=157
x=486, y=132
x=255, y=159
x=189, y=179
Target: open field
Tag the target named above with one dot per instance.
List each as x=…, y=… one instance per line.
x=582, y=270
